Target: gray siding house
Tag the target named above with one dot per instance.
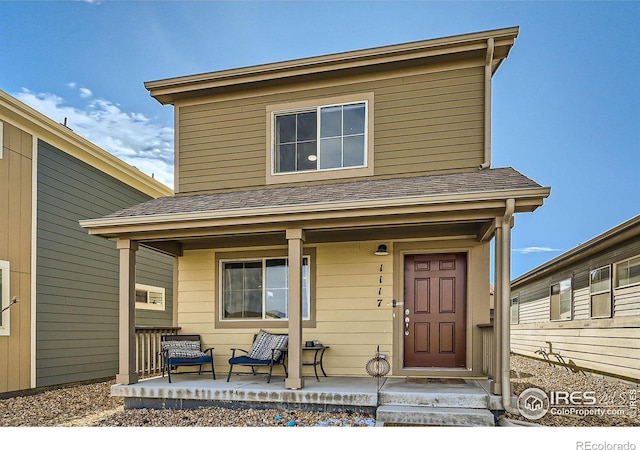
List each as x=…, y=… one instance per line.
x=583, y=307
x=64, y=326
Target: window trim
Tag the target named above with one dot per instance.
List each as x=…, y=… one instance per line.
x=5, y=273
x=609, y=291
x=319, y=174
x=559, y=283
x=517, y=307
x=616, y=278
x=221, y=257
x=151, y=306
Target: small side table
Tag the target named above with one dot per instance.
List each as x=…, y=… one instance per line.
x=318, y=355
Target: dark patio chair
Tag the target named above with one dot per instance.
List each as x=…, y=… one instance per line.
x=267, y=350
x=184, y=350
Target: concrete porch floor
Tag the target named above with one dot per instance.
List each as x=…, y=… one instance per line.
x=357, y=394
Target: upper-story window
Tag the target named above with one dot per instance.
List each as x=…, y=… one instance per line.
x=320, y=139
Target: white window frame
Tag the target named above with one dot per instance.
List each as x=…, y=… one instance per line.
x=257, y=320
x=560, y=290
x=593, y=293
x=616, y=268
x=151, y=289
x=367, y=169
x=514, y=307
x=5, y=273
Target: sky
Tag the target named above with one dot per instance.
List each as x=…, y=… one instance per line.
x=565, y=106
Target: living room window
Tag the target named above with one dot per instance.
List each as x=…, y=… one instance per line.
x=150, y=297
x=600, y=292
x=258, y=289
x=313, y=140
x=561, y=300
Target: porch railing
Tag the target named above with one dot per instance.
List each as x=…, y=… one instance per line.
x=487, y=349
x=148, y=361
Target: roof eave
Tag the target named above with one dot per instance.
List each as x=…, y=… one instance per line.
x=527, y=200
x=166, y=91
x=609, y=238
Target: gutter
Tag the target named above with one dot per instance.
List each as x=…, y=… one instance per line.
x=505, y=324
x=487, y=104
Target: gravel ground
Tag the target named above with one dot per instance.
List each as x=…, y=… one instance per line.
x=92, y=406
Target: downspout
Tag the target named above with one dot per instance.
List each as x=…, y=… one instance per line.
x=505, y=280
x=487, y=104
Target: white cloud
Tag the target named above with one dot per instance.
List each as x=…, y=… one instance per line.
x=85, y=93
x=130, y=136
x=527, y=250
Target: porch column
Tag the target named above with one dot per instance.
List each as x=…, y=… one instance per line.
x=295, y=240
x=127, y=321
x=497, y=310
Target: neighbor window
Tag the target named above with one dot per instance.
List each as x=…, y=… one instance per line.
x=150, y=297
x=600, y=292
x=4, y=298
x=561, y=300
x=515, y=310
x=320, y=138
x=258, y=289
x=628, y=272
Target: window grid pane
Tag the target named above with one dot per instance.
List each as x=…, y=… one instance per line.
x=331, y=137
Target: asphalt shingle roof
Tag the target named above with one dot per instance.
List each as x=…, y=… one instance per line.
x=489, y=180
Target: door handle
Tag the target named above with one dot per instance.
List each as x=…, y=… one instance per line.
x=406, y=326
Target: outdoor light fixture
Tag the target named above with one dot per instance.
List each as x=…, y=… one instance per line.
x=382, y=250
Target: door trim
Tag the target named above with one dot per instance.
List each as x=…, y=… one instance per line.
x=474, y=254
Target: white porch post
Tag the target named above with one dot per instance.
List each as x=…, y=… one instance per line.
x=127, y=321
x=295, y=240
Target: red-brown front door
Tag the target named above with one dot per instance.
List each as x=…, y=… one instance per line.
x=434, y=319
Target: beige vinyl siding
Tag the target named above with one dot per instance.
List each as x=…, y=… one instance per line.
x=423, y=123
x=607, y=345
x=15, y=247
x=610, y=346
x=581, y=304
x=536, y=311
x=626, y=302
x=347, y=316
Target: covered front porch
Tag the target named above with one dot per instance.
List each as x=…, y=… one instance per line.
x=340, y=290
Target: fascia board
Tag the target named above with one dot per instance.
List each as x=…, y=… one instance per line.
x=164, y=90
x=384, y=206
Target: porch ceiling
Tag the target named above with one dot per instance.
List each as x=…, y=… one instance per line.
x=461, y=204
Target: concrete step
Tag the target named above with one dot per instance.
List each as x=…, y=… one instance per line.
x=465, y=396
x=434, y=416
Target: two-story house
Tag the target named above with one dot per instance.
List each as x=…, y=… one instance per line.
x=346, y=198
